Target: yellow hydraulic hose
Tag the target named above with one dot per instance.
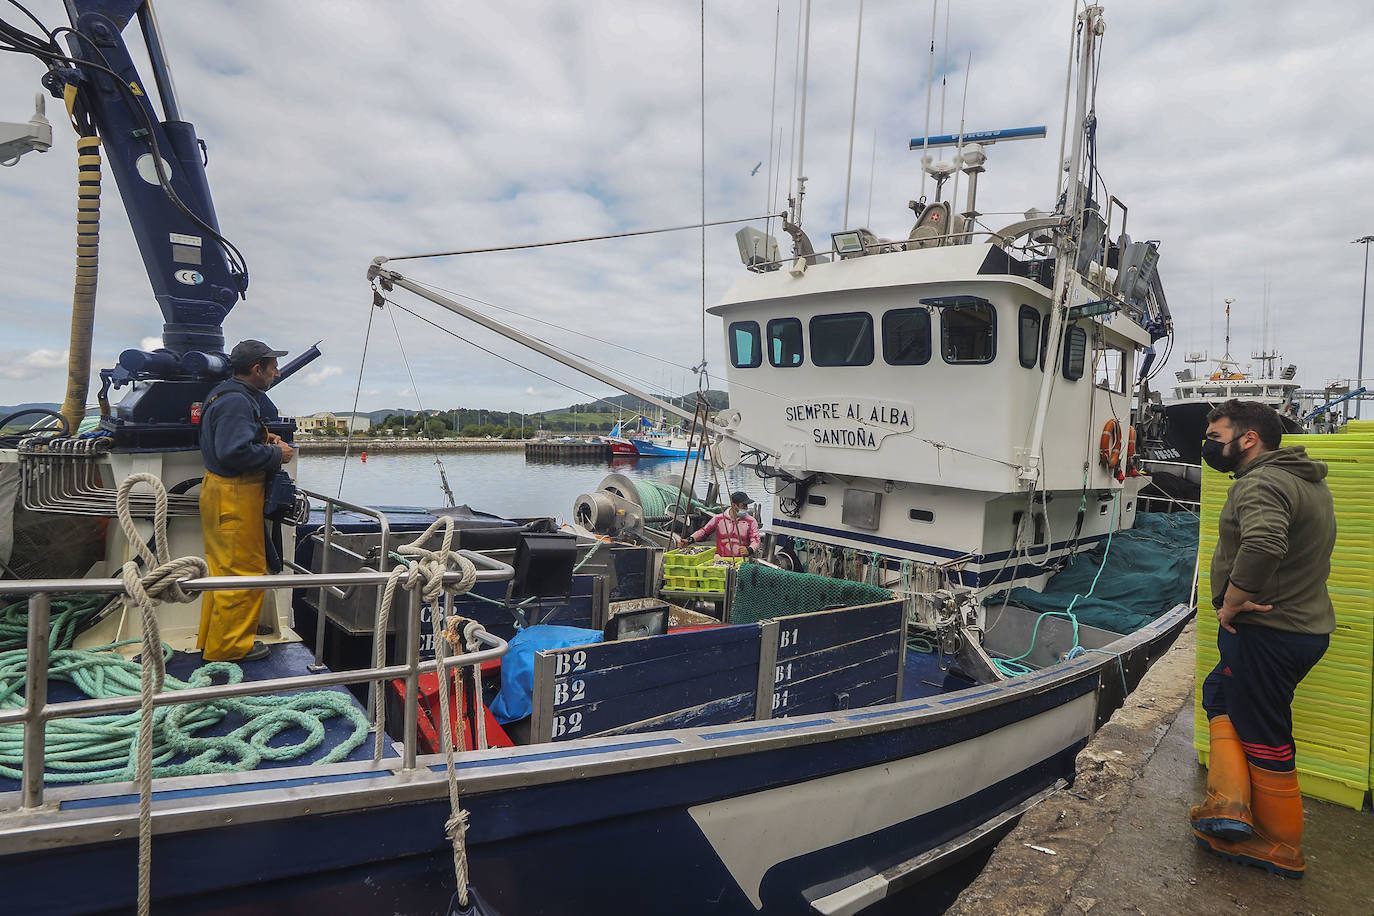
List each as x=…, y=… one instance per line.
x=83, y=298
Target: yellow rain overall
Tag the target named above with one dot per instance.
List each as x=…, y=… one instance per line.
x=231, y=521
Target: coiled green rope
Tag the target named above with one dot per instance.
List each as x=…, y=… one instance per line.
x=69, y=616
x=101, y=748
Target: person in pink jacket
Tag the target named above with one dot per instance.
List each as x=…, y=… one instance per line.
x=737, y=533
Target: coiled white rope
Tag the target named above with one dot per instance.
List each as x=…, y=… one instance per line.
x=160, y=583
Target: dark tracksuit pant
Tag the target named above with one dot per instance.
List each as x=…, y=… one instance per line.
x=1260, y=668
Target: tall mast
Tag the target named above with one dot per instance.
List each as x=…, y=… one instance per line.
x=1066, y=245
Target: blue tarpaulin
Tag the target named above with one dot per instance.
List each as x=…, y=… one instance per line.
x=517, y=666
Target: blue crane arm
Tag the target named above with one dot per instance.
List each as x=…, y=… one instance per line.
x=157, y=162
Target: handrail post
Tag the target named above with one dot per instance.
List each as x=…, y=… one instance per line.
x=412, y=681
x=35, y=698
x=324, y=595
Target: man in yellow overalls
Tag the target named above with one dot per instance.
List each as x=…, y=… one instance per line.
x=239, y=453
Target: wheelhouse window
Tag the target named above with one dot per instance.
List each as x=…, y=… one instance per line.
x=785, y=342
x=968, y=333
x=1109, y=368
x=1075, y=353
x=1028, y=335
x=745, y=352
x=906, y=337
x=842, y=340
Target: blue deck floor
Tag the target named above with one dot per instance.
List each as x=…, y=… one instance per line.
x=923, y=677
x=286, y=660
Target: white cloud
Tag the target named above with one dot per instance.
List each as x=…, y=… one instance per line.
x=562, y=120
x=32, y=365
x=323, y=374
x=150, y=343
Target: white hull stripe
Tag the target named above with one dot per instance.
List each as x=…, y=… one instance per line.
x=752, y=833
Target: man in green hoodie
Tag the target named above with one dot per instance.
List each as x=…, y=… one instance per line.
x=1269, y=572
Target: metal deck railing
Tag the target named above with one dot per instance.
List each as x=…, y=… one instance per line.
x=37, y=711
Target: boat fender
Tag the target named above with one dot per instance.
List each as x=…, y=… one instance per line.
x=1109, y=446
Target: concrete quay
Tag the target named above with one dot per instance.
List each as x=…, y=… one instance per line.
x=1118, y=841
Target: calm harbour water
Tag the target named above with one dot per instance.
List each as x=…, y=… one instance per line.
x=503, y=483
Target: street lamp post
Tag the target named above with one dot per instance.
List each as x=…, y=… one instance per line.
x=1364, y=297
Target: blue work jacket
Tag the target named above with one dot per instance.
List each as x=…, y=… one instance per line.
x=233, y=439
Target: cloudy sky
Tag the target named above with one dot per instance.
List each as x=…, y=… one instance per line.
x=1236, y=132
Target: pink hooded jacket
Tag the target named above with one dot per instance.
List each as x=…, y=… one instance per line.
x=733, y=537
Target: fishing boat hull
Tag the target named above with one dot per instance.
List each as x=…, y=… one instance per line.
x=821, y=813
x=621, y=447
x=1186, y=427
x=650, y=448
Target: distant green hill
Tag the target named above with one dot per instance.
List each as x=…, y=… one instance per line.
x=6, y=411
x=719, y=400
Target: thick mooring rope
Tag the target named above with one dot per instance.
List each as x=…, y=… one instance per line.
x=447, y=634
x=424, y=570
x=140, y=591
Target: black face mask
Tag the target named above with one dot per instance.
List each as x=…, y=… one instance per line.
x=1214, y=453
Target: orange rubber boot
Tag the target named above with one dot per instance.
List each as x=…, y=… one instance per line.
x=1226, y=812
x=1276, y=845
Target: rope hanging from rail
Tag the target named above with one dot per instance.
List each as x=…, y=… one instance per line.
x=421, y=569
x=140, y=592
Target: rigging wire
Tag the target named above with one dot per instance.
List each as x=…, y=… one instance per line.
x=769, y=191
x=574, y=241
x=853, y=113
x=654, y=385
x=1074, y=29
x=801, y=127
x=872, y=172
x=930, y=88
x=796, y=82
x=504, y=359
x=415, y=389
x=944, y=70
x=372, y=307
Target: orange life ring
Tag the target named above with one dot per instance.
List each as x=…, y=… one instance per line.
x=1109, y=446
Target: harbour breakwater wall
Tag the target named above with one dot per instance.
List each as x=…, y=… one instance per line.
x=309, y=445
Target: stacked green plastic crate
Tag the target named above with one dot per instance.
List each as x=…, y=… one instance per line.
x=696, y=572
x=1332, y=712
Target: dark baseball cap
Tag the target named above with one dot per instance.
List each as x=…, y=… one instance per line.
x=248, y=353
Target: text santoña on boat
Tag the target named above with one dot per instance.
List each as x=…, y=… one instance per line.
x=860, y=423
